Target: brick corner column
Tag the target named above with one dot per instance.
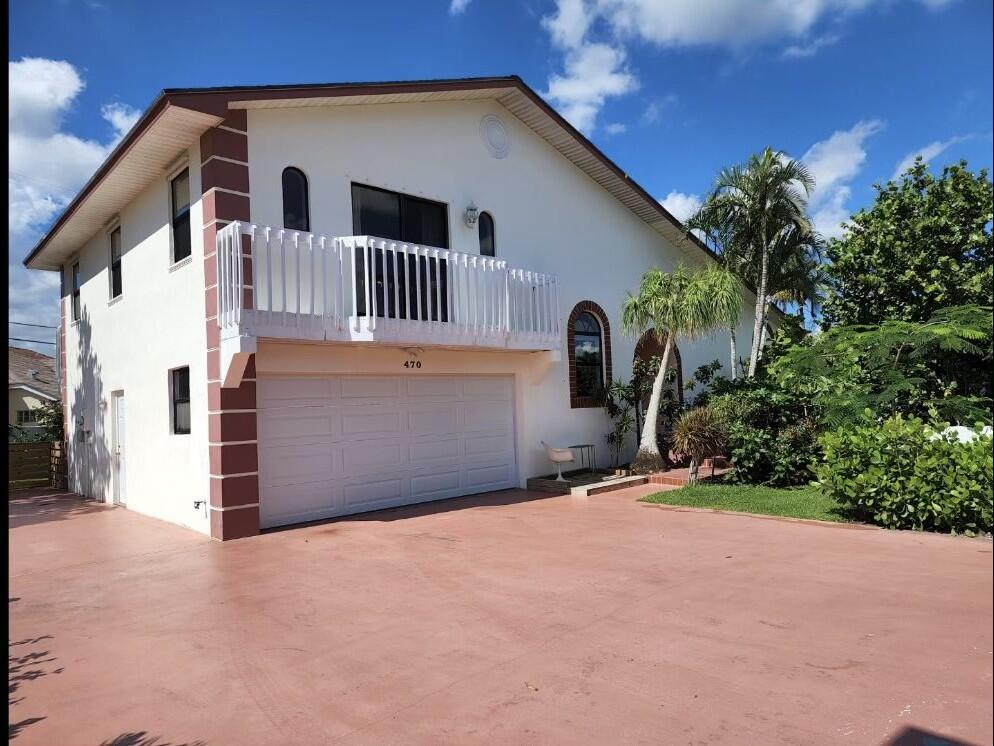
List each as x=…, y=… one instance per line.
x=231, y=412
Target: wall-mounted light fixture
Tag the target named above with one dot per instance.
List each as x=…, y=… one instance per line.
x=471, y=214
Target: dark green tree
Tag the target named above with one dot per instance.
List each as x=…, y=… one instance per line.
x=925, y=244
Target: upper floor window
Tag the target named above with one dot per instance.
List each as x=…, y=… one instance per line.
x=180, y=203
x=588, y=338
x=488, y=246
x=75, y=291
x=378, y=212
x=180, y=394
x=115, y=263
x=296, y=215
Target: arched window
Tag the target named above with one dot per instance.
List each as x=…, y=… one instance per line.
x=488, y=239
x=589, y=342
x=296, y=215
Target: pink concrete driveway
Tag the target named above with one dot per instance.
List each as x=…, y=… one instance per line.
x=506, y=618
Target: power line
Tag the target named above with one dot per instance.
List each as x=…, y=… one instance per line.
x=24, y=323
x=36, y=341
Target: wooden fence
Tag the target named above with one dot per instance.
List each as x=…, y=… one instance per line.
x=36, y=465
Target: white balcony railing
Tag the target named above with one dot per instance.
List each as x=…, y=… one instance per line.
x=285, y=284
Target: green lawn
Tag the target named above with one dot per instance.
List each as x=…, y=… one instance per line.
x=800, y=502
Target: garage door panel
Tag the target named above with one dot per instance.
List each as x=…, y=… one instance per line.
x=370, y=387
x=297, y=465
x=348, y=444
x=488, y=475
x=372, y=492
x=434, y=387
x=434, y=419
x=360, y=459
x=297, y=423
x=371, y=422
x=448, y=482
x=487, y=415
x=295, y=503
x=305, y=392
x=486, y=445
x=433, y=450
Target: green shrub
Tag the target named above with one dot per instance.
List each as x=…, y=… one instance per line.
x=894, y=475
x=772, y=438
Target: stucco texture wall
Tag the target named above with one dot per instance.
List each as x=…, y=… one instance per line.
x=549, y=215
x=129, y=345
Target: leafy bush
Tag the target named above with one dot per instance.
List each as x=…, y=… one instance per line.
x=772, y=438
x=699, y=434
x=895, y=475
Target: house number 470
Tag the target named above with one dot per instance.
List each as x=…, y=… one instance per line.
x=412, y=363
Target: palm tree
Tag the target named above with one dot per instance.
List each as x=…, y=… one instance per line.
x=685, y=304
x=754, y=209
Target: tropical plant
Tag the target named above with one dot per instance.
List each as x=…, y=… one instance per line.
x=891, y=367
x=772, y=431
x=620, y=403
x=683, y=304
x=903, y=473
x=924, y=244
x=756, y=213
x=699, y=434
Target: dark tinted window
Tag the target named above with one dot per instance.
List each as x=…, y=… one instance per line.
x=378, y=212
x=488, y=245
x=115, y=263
x=180, y=201
x=181, y=400
x=588, y=355
x=296, y=214
x=75, y=292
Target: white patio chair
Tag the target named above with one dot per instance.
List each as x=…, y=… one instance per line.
x=558, y=456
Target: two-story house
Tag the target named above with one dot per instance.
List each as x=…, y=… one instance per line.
x=285, y=303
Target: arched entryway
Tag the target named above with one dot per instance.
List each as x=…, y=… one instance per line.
x=648, y=356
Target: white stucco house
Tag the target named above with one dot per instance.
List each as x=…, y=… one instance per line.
x=285, y=303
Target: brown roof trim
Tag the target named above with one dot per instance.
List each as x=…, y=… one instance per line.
x=215, y=100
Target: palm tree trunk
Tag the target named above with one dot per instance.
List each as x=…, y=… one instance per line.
x=648, y=442
x=764, y=333
x=732, y=353
x=757, y=329
x=692, y=476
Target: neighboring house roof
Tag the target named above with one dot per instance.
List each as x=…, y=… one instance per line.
x=33, y=371
x=178, y=116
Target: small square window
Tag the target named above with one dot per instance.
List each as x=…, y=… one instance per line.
x=180, y=392
x=26, y=417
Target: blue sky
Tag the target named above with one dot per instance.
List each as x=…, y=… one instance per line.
x=672, y=90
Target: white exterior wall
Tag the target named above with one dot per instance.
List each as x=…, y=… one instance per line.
x=129, y=345
x=549, y=215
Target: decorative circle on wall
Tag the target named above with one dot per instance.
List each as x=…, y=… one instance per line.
x=495, y=135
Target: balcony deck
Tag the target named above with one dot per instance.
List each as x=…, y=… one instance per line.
x=281, y=284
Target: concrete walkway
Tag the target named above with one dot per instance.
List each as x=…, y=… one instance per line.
x=505, y=618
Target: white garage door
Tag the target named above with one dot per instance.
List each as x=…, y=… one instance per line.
x=347, y=444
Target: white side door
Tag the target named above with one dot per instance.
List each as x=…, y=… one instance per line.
x=118, y=455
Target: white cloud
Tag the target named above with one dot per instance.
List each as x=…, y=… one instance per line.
x=121, y=117
x=927, y=153
x=46, y=167
x=811, y=48
x=568, y=27
x=458, y=6
x=615, y=128
x=833, y=163
x=593, y=72
x=680, y=205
